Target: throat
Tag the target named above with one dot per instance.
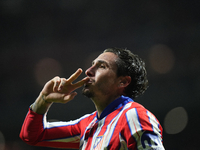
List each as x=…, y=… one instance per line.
x=102, y=104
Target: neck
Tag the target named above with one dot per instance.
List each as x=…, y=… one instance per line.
x=102, y=102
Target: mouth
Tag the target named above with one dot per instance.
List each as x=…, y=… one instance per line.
x=90, y=81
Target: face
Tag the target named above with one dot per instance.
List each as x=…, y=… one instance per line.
x=102, y=74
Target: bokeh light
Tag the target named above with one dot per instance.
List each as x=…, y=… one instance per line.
x=46, y=69
x=161, y=58
x=175, y=120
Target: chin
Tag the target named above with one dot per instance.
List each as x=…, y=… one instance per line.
x=86, y=92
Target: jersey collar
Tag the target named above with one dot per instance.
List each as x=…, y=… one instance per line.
x=119, y=102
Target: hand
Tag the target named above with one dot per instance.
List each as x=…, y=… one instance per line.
x=61, y=90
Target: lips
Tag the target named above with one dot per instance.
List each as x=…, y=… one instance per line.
x=90, y=81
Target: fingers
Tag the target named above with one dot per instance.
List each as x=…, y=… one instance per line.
x=65, y=85
x=58, y=97
x=80, y=83
x=62, y=83
x=69, y=97
x=57, y=81
x=61, y=90
x=75, y=75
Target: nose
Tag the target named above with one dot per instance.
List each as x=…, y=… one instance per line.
x=90, y=72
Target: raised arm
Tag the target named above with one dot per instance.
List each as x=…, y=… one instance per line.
x=34, y=130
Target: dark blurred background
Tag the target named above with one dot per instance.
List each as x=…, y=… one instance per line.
x=43, y=38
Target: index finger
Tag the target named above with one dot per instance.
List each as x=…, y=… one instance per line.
x=80, y=83
x=75, y=75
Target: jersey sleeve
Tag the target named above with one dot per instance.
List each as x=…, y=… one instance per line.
x=143, y=130
x=38, y=132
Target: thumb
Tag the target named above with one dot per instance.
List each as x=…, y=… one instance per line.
x=69, y=97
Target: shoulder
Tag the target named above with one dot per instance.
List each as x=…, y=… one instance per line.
x=135, y=108
x=143, y=126
x=143, y=118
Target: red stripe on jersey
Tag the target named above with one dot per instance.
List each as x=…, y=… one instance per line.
x=143, y=118
x=115, y=137
x=108, y=120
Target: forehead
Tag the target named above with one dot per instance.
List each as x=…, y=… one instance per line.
x=107, y=57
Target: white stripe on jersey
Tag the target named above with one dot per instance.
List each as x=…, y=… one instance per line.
x=50, y=125
x=83, y=142
x=95, y=136
x=111, y=127
x=155, y=124
x=134, y=123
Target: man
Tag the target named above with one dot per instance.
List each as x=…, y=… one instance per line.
x=114, y=78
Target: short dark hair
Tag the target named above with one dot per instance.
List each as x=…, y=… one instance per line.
x=131, y=65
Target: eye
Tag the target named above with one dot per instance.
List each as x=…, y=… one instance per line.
x=102, y=66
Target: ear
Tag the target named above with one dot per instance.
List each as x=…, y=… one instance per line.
x=124, y=81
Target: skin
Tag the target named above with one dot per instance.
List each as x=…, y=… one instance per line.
x=58, y=90
x=104, y=84
x=101, y=85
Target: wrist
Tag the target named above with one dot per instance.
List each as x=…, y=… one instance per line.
x=41, y=105
x=43, y=97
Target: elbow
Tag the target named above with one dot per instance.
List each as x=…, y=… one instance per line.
x=27, y=139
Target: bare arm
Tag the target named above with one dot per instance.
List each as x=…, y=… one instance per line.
x=58, y=90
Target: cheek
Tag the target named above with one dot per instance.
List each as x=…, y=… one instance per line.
x=106, y=79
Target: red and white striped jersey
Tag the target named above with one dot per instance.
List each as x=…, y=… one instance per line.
x=123, y=125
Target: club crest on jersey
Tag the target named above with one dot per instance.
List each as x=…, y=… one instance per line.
x=98, y=142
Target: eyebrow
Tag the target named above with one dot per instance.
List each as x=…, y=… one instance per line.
x=101, y=62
